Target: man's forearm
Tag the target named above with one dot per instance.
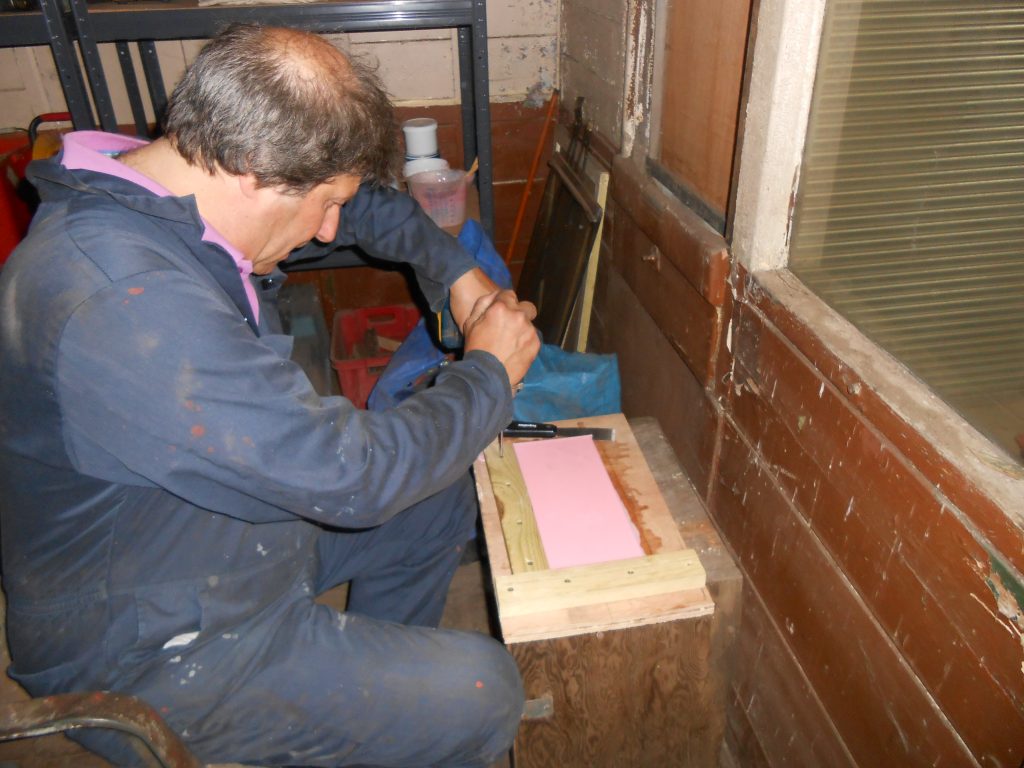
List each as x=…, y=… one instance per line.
x=390, y=225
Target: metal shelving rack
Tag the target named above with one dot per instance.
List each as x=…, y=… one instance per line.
x=61, y=23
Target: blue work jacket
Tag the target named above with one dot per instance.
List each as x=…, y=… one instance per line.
x=164, y=467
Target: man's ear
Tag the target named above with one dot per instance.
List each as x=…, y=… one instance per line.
x=248, y=185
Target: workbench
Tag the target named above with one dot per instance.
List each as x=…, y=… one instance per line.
x=619, y=672
x=89, y=24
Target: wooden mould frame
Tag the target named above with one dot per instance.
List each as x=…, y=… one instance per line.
x=535, y=603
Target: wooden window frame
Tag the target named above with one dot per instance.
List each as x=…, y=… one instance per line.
x=785, y=56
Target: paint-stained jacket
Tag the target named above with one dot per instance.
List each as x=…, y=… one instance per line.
x=163, y=464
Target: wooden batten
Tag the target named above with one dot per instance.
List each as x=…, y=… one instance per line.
x=518, y=525
x=541, y=605
x=536, y=603
x=629, y=579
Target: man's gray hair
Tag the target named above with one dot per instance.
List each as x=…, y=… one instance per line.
x=285, y=106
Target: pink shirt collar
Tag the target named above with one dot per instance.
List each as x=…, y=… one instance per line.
x=96, y=150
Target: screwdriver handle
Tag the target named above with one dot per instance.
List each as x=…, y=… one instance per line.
x=530, y=429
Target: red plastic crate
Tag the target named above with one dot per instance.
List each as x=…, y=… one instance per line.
x=358, y=367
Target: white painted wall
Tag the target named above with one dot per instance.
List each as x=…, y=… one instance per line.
x=593, y=61
x=28, y=86
x=418, y=67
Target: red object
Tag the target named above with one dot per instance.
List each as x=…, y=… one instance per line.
x=552, y=104
x=358, y=367
x=15, y=214
x=16, y=151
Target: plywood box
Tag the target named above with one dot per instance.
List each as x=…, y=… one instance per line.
x=614, y=656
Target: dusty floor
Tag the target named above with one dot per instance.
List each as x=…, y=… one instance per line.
x=466, y=609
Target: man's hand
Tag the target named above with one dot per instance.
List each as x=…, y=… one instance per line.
x=502, y=325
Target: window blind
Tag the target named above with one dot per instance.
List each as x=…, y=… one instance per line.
x=909, y=216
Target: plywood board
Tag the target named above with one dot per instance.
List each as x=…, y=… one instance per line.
x=637, y=487
x=635, y=697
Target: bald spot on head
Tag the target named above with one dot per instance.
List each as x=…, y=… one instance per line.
x=307, y=58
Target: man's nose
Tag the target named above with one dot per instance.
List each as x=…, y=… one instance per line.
x=329, y=226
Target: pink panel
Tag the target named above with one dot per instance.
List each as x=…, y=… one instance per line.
x=579, y=514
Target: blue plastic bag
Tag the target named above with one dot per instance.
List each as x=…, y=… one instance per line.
x=568, y=385
x=559, y=384
x=412, y=367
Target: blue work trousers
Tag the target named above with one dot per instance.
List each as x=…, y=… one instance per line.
x=301, y=684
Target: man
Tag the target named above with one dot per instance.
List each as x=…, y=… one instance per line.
x=175, y=494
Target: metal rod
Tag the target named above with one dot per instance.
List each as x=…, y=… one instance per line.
x=67, y=65
x=154, y=79
x=70, y=711
x=93, y=66
x=131, y=84
x=482, y=102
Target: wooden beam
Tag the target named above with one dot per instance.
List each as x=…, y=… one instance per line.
x=630, y=579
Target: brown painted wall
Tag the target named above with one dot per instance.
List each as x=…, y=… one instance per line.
x=882, y=616
x=883, y=607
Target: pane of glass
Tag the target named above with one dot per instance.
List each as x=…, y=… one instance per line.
x=909, y=218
